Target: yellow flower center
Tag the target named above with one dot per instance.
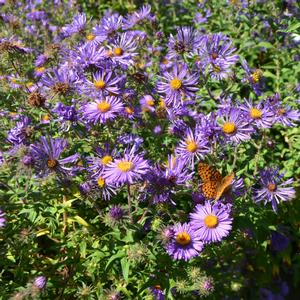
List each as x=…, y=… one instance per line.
x=103, y=106
x=191, y=146
x=40, y=69
x=46, y=118
x=164, y=61
x=162, y=103
x=229, y=128
x=101, y=182
x=118, y=51
x=150, y=102
x=257, y=75
x=255, y=113
x=29, y=84
x=183, y=238
x=272, y=187
x=175, y=84
x=211, y=221
x=52, y=163
x=99, y=84
x=125, y=166
x=90, y=37
x=106, y=160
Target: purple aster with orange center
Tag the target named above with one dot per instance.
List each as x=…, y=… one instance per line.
x=192, y=147
x=128, y=169
x=272, y=188
x=104, y=83
x=234, y=128
x=47, y=159
x=102, y=110
x=258, y=114
x=211, y=222
x=176, y=84
x=185, y=243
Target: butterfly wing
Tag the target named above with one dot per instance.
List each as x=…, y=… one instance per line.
x=223, y=186
x=209, y=189
x=208, y=173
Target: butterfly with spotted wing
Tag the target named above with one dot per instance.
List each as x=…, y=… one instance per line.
x=214, y=185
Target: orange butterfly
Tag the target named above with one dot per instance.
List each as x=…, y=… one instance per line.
x=214, y=185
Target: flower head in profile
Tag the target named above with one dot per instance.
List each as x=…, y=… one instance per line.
x=272, y=188
x=177, y=84
x=128, y=169
x=211, y=222
x=102, y=110
x=47, y=159
x=185, y=243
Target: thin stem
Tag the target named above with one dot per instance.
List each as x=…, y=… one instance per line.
x=234, y=158
x=129, y=204
x=65, y=218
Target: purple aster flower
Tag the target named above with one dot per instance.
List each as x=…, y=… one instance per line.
x=102, y=110
x=28, y=160
x=147, y=103
x=185, y=244
x=97, y=163
x=192, y=147
x=102, y=189
x=127, y=139
x=207, y=126
x=19, y=134
x=78, y=25
x=258, y=114
x=122, y=50
x=88, y=55
x=176, y=84
x=40, y=282
x=104, y=83
x=279, y=242
x=41, y=60
x=285, y=115
x=211, y=222
x=254, y=78
x=67, y=115
x=137, y=17
x=2, y=219
x=157, y=292
x=126, y=170
x=234, y=127
x=272, y=188
x=47, y=157
x=60, y=81
x=116, y=212
x=108, y=28
x=182, y=43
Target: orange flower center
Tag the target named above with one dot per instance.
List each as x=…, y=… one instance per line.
x=175, y=84
x=211, y=221
x=183, y=238
x=103, y=106
x=281, y=111
x=118, y=51
x=272, y=187
x=229, y=128
x=129, y=110
x=52, y=163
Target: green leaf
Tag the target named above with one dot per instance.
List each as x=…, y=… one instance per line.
x=119, y=254
x=125, y=264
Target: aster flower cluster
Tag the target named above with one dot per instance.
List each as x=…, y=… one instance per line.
x=143, y=143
